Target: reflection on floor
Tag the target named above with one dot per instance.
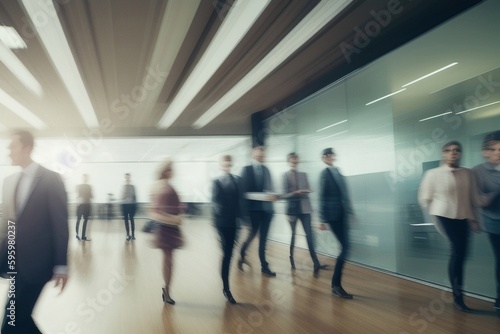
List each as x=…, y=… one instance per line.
x=115, y=287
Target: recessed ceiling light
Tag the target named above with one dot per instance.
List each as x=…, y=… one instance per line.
x=54, y=41
x=315, y=20
x=235, y=26
x=11, y=39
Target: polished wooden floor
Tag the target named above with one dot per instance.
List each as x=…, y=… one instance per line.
x=115, y=287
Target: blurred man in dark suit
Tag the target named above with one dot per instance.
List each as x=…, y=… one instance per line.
x=335, y=210
x=259, y=194
x=226, y=198
x=34, y=248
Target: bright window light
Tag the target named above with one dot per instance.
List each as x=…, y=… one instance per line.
x=428, y=75
x=386, y=96
x=11, y=39
x=235, y=26
x=428, y=118
x=331, y=125
x=54, y=40
x=321, y=15
x=12, y=104
x=486, y=105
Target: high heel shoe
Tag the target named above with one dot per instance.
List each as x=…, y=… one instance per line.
x=292, y=262
x=166, y=298
x=229, y=296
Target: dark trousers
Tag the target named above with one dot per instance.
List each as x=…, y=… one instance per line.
x=495, y=244
x=457, y=231
x=128, y=216
x=227, y=238
x=260, y=221
x=25, y=299
x=339, y=229
x=306, y=224
x=83, y=210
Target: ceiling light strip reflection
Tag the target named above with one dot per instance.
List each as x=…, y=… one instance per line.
x=335, y=134
x=428, y=118
x=56, y=46
x=235, y=26
x=12, y=104
x=9, y=59
x=486, y=105
x=432, y=73
x=317, y=18
x=386, y=96
x=331, y=125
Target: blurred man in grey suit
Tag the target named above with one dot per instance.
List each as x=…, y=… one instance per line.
x=335, y=209
x=298, y=206
x=34, y=248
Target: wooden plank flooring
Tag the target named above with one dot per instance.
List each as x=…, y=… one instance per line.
x=115, y=287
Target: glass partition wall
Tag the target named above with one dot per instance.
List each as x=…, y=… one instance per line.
x=383, y=147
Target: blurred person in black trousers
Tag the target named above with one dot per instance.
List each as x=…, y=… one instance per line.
x=259, y=194
x=336, y=212
x=296, y=191
x=83, y=210
x=129, y=205
x=226, y=199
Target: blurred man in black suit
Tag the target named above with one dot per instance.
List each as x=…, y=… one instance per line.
x=226, y=199
x=335, y=210
x=34, y=249
x=256, y=180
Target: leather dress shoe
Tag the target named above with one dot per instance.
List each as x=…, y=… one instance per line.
x=339, y=291
x=268, y=272
x=242, y=261
x=318, y=267
x=85, y=239
x=128, y=238
x=229, y=296
x=460, y=305
x=78, y=237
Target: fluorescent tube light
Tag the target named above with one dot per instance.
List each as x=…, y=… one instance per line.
x=56, y=46
x=11, y=39
x=428, y=118
x=486, y=105
x=386, y=96
x=235, y=26
x=331, y=125
x=317, y=18
x=432, y=73
x=9, y=59
x=12, y=104
x=178, y=17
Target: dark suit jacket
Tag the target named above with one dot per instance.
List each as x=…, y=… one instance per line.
x=333, y=197
x=249, y=184
x=226, y=202
x=41, y=229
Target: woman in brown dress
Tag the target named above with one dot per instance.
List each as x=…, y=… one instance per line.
x=166, y=209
